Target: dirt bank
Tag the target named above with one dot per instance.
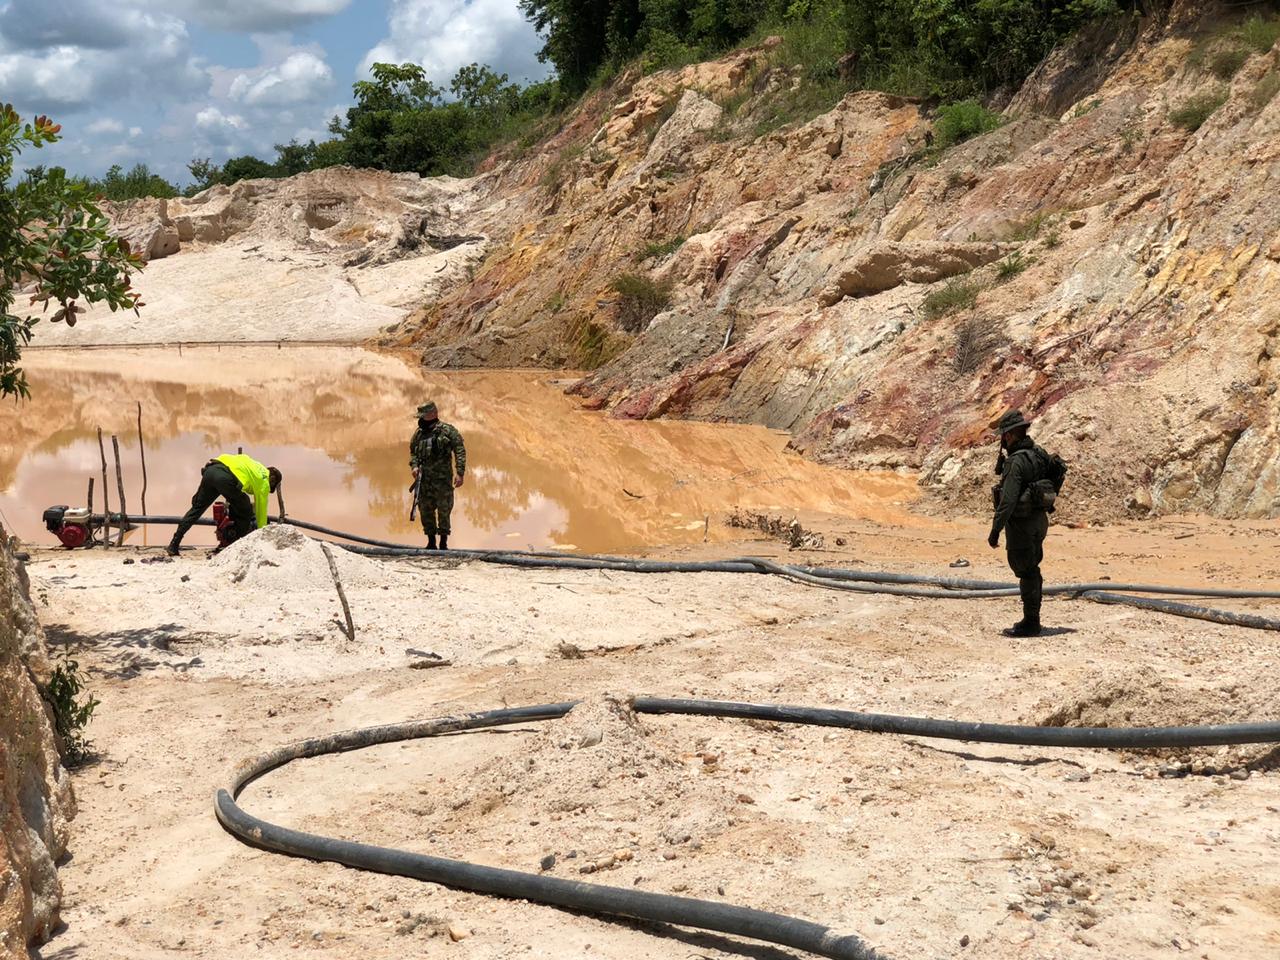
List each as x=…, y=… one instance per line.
x=36, y=799
x=918, y=845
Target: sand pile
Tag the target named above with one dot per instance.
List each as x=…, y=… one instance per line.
x=1144, y=697
x=614, y=786
x=280, y=558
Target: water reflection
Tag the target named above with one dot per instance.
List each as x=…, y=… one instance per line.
x=337, y=421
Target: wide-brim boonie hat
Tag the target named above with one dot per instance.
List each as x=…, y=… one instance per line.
x=1011, y=421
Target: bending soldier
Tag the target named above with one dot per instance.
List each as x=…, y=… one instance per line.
x=438, y=459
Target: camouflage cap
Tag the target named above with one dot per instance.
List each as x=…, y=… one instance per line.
x=1011, y=421
x=427, y=411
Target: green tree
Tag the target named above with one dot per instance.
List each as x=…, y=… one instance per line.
x=204, y=174
x=138, y=182
x=55, y=248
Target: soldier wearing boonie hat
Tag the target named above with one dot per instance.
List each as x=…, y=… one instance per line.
x=438, y=459
x=1019, y=511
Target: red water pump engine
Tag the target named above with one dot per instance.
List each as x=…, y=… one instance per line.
x=69, y=524
x=223, y=527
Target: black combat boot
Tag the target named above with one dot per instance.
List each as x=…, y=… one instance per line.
x=444, y=541
x=431, y=541
x=173, y=547
x=1032, y=588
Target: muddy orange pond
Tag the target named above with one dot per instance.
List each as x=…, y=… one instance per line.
x=337, y=421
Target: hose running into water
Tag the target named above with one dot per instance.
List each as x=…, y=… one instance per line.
x=634, y=904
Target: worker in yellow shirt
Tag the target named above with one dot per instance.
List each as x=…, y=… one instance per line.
x=234, y=477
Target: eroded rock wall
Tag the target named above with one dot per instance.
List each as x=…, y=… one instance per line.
x=1125, y=270
x=36, y=800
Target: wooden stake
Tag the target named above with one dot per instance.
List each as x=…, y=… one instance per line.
x=106, y=498
x=89, y=498
x=350, y=630
x=142, y=452
x=124, y=513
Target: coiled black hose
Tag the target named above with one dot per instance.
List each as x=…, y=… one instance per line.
x=569, y=894
x=641, y=905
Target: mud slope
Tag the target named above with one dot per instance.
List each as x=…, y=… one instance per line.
x=1125, y=269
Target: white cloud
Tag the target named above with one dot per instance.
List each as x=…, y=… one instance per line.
x=219, y=127
x=135, y=132
x=246, y=15
x=106, y=125
x=59, y=58
x=300, y=78
x=444, y=35
x=92, y=24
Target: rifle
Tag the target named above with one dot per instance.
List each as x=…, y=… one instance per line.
x=413, y=489
x=995, y=491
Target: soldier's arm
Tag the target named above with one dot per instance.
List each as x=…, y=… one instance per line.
x=413, y=449
x=1010, y=490
x=459, y=453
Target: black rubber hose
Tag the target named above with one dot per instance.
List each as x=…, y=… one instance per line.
x=640, y=905
x=569, y=894
x=1021, y=735
x=856, y=581
x=1229, y=617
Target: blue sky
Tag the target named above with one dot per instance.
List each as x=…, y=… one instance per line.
x=164, y=81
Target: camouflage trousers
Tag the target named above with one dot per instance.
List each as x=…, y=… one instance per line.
x=1024, y=542
x=435, y=503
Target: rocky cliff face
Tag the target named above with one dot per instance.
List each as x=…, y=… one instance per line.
x=35, y=792
x=1110, y=272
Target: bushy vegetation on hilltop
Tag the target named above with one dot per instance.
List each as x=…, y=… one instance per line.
x=951, y=50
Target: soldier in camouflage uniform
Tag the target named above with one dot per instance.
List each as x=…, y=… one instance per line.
x=438, y=459
x=1016, y=512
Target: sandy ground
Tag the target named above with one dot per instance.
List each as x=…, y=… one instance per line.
x=264, y=290
x=926, y=848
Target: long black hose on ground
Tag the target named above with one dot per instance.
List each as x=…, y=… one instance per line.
x=856, y=581
x=569, y=894
x=641, y=905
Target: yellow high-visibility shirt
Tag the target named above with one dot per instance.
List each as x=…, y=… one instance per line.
x=253, y=480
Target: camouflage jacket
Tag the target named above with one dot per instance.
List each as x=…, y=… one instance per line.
x=435, y=453
x=1024, y=465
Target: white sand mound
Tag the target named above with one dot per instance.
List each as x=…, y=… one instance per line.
x=281, y=558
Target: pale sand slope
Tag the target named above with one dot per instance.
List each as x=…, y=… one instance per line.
x=334, y=255
x=1029, y=853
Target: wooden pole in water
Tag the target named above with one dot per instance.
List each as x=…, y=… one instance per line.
x=106, y=497
x=124, y=513
x=142, y=452
x=89, y=498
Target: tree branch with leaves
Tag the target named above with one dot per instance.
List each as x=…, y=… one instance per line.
x=56, y=249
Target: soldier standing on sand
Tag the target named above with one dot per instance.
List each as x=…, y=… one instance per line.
x=438, y=459
x=1021, y=513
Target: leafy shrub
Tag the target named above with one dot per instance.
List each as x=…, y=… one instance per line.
x=71, y=714
x=955, y=295
x=1226, y=63
x=659, y=249
x=1011, y=266
x=962, y=121
x=1265, y=91
x=1193, y=112
x=1260, y=33
x=640, y=299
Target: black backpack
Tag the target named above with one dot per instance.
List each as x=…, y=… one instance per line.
x=1043, y=493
